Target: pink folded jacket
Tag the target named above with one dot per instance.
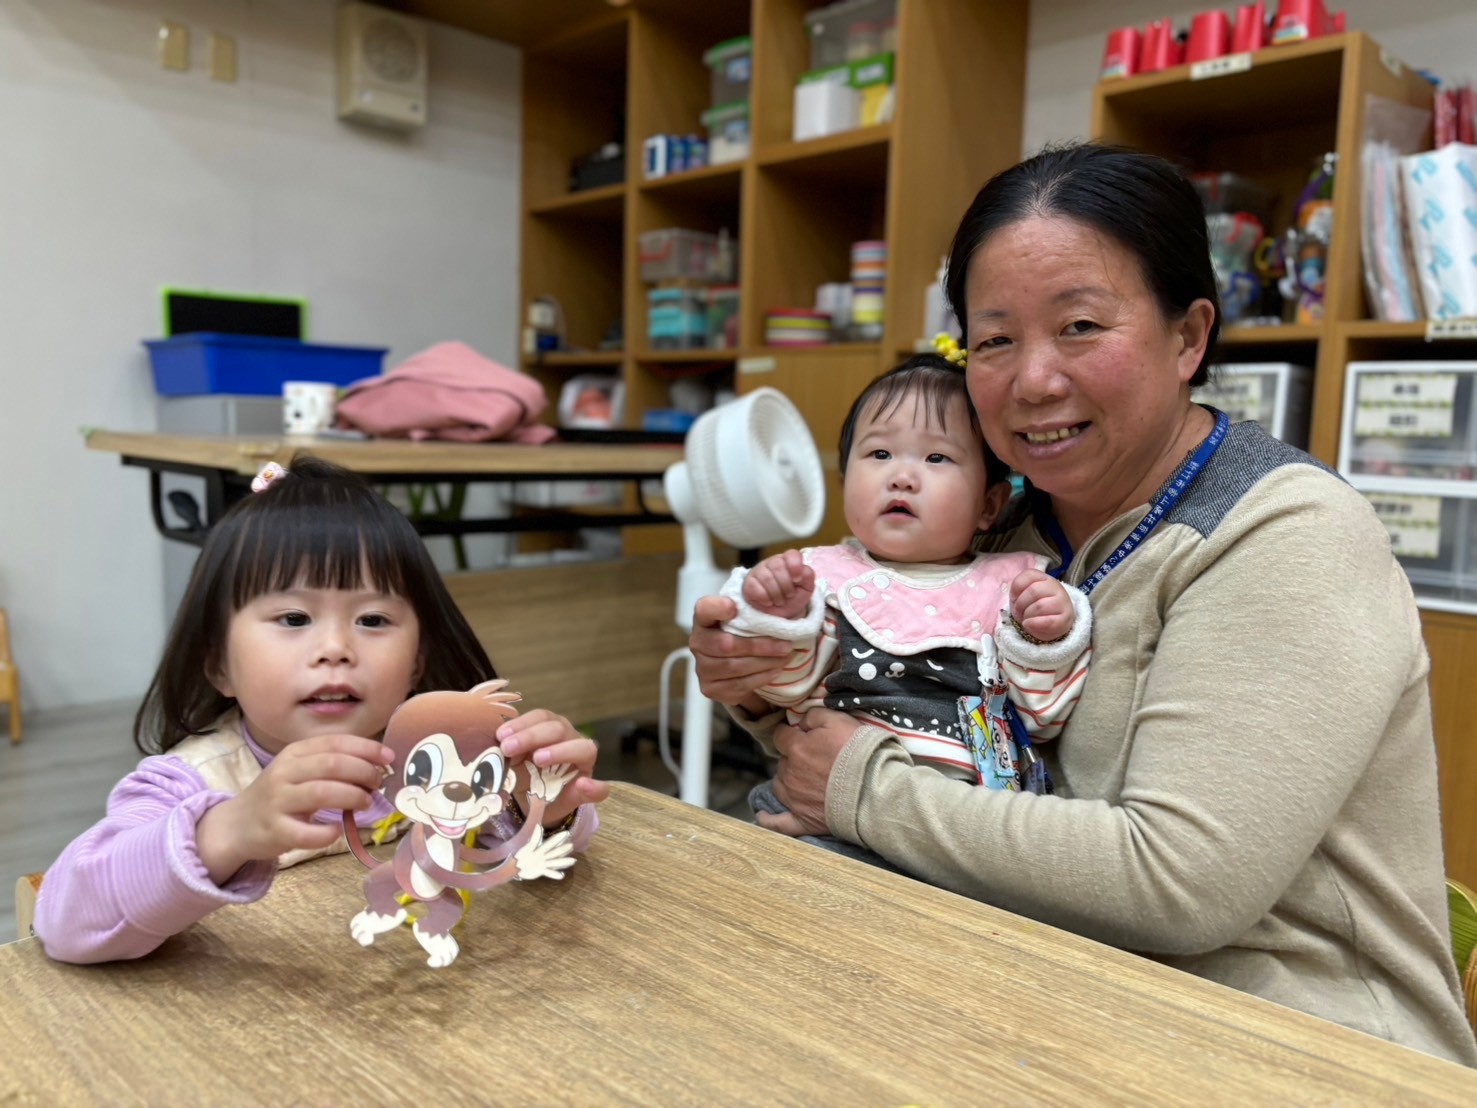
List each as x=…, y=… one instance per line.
x=448, y=392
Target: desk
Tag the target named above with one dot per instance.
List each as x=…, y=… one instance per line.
x=227, y=463
x=584, y=639
x=688, y=959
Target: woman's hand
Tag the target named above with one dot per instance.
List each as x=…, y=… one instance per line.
x=547, y=739
x=274, y=814
x=730, y=667
x=807, y=753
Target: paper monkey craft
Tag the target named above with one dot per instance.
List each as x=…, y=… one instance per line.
x=450, y=777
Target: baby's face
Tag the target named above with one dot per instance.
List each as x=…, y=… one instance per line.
x=915, y=490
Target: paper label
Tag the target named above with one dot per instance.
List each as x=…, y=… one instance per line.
x=1451, y=329
x=1219, y=67
x=1391, y=62
x=1414, y=523
x=1240, y=396
x=1406, y=405
x=755, y=365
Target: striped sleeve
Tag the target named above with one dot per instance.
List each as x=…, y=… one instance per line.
x=1044, y=680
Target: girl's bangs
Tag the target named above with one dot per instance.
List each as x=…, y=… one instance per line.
x=334, y=546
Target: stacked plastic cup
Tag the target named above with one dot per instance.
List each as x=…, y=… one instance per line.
x=868, y=280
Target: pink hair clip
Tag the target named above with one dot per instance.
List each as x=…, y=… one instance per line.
x=269, y=473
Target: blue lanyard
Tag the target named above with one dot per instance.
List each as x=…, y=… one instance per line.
x=1184, y=477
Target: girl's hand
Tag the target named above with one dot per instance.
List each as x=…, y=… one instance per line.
x=808, y=752
x=1040, y=606
x=731, y=667
x=547, y=739
x=781, y=586
x=274, y=814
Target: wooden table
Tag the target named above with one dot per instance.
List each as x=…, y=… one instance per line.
x=227, y=463
x=584, y=639
x=689, y=959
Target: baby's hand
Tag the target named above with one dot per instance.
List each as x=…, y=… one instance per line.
x=1040, y=606
x=781, y=586
x=274, y=814
x=548, y=740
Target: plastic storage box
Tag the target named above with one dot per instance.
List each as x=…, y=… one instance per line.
x=1435, y=541
x=676, y=319
x=1410, y=419
x=850, y=31
x=1231, y=192
x=722, y=316
x=728, y=132
x=674, y=253
x=729, y=63
x=1277, y=395
x=247, y=365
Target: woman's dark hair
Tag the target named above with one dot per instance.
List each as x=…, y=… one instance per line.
x=933, y=381
x=321, y=526
x=1140, y=201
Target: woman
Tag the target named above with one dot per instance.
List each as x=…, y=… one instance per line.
x=1247, y=788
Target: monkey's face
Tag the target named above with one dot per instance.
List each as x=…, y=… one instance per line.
x=450, y=794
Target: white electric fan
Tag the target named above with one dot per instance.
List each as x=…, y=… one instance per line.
x=752, y=476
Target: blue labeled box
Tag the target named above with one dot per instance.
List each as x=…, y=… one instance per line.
x=249, y=365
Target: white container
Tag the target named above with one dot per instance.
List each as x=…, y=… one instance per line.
x=826, y=107
x=1435, y=541
x=851, y=29
x=1410, y=420
x=1278, y=395
x=728, y=132
x=593, y=401
x=566, y=494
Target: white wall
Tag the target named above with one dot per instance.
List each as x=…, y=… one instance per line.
x=1067, y=38
x=119, y=178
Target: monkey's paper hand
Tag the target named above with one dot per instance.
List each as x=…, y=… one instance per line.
x=547, y=783
x=545, y=858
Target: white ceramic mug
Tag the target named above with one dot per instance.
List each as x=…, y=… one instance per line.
x=307, y=407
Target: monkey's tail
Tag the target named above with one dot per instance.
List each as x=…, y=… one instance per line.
x=351, y=836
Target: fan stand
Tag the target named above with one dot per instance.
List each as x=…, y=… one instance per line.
x=694, y=773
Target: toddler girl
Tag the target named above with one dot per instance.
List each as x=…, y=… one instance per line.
x=313, y=612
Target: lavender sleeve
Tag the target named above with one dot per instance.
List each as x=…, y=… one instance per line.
x=134, y=878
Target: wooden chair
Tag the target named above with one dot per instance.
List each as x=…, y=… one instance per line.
x=25, y=903
x=10, y=685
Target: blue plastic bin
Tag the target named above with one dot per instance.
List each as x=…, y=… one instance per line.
x=248, y=365
x=666, y=419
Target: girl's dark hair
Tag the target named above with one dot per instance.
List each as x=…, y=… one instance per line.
x=934, y=381
x=1140, y=201
x=319, y=525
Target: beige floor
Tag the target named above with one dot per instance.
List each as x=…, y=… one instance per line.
x=55, y=784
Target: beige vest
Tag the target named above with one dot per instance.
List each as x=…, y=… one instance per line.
x=227, y=764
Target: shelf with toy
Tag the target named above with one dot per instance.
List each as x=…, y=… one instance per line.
x=574, y=95
x=1283, y=83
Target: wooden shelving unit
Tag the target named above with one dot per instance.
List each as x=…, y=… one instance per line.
x=1272, y=122
x=794, y=209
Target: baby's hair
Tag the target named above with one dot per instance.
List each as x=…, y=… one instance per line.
x=934, y=383
x=319, y=526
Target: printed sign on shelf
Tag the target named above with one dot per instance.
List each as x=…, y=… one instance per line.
x=1241, y=396
x=1414, y=523
x=1410, y=405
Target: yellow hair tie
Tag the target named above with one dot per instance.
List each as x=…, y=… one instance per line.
x=949, y=349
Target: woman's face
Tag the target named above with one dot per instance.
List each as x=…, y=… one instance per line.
x=1080, y=383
